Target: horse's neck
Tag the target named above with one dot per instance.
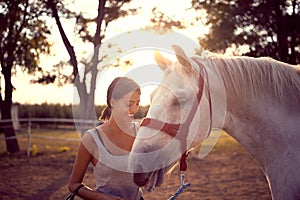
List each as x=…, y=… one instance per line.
x=272, y=137
x=258, y=123
x=267, y=128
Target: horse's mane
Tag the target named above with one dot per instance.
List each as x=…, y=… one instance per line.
x=258, y=77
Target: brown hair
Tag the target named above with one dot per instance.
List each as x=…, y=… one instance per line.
x=119, y=87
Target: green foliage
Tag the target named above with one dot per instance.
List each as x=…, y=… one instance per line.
x=111, y=11
x=267, y=28
x=163, y=22
x=23, y=34
x=62, y=111
x=45, y=111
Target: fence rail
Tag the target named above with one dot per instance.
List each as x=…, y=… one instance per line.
x=61, y=120
x=54, y=121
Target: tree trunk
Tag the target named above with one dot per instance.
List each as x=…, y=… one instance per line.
x=86, y=109
x=12, y=145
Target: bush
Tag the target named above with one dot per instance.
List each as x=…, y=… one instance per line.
x=61, y=111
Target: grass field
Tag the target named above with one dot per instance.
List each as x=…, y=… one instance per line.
x=49, y=141
x=45, y=141
x=227, y=172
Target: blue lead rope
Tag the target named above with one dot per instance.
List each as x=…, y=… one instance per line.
x=180, y=189
x=182, y=169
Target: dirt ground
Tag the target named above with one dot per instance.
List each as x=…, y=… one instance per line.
x=225, y=174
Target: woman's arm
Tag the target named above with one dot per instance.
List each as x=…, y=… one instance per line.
x=83, y=158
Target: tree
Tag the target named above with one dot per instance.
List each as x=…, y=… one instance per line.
x=161, y=21
x=23, y=34
x=267, y=28
x=107, y=12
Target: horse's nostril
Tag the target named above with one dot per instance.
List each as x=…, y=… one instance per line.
x=147, y=148
x=144, y=148
x=139, y=178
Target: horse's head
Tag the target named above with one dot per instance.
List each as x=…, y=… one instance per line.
x=172, y=124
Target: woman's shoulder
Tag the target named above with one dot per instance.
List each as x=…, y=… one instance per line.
x=96, y=129
x=88, y=140
x=90, y=134
x=87, y=136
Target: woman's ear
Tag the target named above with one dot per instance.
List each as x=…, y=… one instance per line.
x=111, y=102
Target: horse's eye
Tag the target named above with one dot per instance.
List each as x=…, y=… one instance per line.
x=182, y=101
x=176, y=102
x=179, y=102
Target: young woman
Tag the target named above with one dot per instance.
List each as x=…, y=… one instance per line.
x=107, y=147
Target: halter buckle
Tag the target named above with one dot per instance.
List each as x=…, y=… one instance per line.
x=182, y=178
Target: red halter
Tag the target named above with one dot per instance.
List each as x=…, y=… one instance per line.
x=178, y=130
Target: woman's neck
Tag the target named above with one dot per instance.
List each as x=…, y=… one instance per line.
x=119, y=128
x=114, y=127
x=118, y=136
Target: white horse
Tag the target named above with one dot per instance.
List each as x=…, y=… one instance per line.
x=255, y=100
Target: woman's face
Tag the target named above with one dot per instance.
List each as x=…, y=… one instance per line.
x=124, y=109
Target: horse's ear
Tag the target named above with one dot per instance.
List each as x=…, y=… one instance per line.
x=181, y=57
x=161, y=61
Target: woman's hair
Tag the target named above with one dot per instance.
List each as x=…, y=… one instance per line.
x=119, y=87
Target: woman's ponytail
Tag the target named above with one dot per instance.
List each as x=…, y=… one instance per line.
x=105, y=114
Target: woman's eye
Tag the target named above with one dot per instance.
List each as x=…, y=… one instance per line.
x=131, y=104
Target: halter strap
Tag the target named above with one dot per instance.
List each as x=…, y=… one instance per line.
x=170, y=129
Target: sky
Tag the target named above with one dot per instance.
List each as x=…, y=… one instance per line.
x=29, y=93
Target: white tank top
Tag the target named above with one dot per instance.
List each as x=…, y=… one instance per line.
x=111, y=172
